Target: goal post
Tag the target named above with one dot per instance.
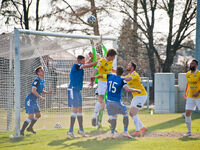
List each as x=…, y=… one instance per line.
x=18, y=75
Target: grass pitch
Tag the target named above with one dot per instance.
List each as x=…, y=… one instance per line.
x=165, y=131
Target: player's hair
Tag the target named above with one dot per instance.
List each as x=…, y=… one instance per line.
x=133, y=65
x=38, y=69
x=80, y=57
x=119, y=71
x=195, y=61
x=111, y=52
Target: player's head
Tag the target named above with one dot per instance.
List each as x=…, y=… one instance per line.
x=131, y=67
x=39, y=71
x=193, y=65
x=119, y=71
x=111, y=54
x=81, y=59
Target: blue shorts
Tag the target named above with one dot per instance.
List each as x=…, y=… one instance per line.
x=31, y=107
x=114, y=108
x=74, y=97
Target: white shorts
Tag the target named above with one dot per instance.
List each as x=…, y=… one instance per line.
x=138, y=101
x=102, y=87
x=191, y=104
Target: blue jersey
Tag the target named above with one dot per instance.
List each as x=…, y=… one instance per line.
x=76, y=77
x=115, y=85
x=39, y=85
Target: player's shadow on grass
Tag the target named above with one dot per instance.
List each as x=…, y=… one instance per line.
x=60, y=142
x=98, y=132
x=171, y=123
x=91, y=143
x=189, y=139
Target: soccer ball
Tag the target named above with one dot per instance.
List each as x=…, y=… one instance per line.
x=57, y=125
x=91, y=19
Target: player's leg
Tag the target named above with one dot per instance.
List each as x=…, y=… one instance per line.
x=80, y=121
x=72, y=121
x=34, y=120
x=190, y=105
x=136, y=104
x=26, y=123
x=101, y=112
x=30, y=111
x=72, y=99
x=102, y=86
x=113, y=122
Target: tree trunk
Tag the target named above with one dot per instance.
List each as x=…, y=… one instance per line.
x=94, y=13
x=37, y=15
x=26, y=21
x=135, y=27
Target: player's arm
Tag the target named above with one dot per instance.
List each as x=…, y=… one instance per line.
x=127, y=78
x=45, y=92
x=36, y=93
x=127, y=89
x=186, y=91
x=88, y=65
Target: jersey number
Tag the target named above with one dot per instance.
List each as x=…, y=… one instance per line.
x=112, y=87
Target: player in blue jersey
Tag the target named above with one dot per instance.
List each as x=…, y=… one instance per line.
x=31, y=101
x=74, y=94
x=114, y=102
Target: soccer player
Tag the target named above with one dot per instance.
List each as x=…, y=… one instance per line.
x=104, y=66
x=192, y=94
x=114, y=103
x=31, y=101
x=74, y=94
x=138, y=100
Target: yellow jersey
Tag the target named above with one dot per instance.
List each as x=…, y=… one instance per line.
x=136, y=84
x=104, y=67
x=193, y=80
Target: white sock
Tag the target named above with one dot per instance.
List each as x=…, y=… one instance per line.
x=188, y=123
x=136, y=122
x=140, y=123
x=96, y=109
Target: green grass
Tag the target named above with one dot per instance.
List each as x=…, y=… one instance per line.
x=164, y=124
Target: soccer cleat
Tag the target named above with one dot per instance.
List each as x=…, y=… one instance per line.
x=94, y=122
x=136, y=134
x=31, y=130
x=187, y=134
x=142, y=131
x=127, y=135
x=71, y=134
x=21, y=133
x=81, y=133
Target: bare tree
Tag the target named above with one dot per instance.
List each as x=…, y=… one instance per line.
x=177, y=33
x=19, y=12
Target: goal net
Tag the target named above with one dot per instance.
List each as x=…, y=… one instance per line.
x=20, y=54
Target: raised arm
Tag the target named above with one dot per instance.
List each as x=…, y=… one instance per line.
x=88, y=65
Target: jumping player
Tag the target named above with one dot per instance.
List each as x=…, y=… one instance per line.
x=74, y=93
x=104, y=66
x=192, y=94
x=31, y=101
x=114, y=103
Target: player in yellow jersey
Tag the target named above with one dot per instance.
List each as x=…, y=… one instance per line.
x=138, y=100
x=192, y=93
x=104, y=66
